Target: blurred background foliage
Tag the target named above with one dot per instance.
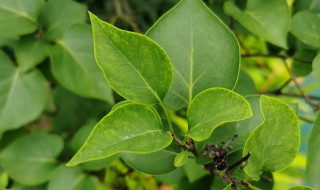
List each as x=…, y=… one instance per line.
x=52, y=93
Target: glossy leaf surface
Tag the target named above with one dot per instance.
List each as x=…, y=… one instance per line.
x=74, y=54
x=313, y=155
x=26, y=91
x=204, y=53
x=135, y=66
x=257, y=18
x=35, y=153
x=275, y=143
x=212, y=108
x=305, y=26
x=130, y=128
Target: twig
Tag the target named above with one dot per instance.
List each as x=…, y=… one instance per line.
x=289, y=95
x=306, y=119
x=248, y=55
x=188, y=146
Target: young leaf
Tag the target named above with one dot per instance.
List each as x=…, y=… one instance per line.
x=58, y=15
x=23, y=96
x=181, y=158
x=18, y=17
x=74, y=54
x=204, y=53
x=156, y=163
x=213, y=107
x=316, y=66
x=136, y=67
x=30, y=159
x=313, y=155
x=132, y=128
x=275, y=143
x=305, y=26
x=257, y=18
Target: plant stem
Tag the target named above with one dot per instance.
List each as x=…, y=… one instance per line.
x=248, y=55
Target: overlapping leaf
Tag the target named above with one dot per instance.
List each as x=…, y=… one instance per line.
x=204, y=53
x=135, y=66
x=316, y=66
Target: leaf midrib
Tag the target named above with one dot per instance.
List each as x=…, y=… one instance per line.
x=18, y=13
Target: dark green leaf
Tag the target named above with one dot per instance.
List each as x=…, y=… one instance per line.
x=204, y=53
x=136, y=67
x=30, y=160
x=316, y=66
x=194, y=171
x=74, y=66
x=245, y=85
x=212, y=108
x=132, y=128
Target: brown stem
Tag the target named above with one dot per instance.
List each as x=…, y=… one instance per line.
x=188, y=146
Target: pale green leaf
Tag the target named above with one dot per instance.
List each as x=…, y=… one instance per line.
x=132, y=128
x=301, y=188
x=275, y=143
x=74, y=66
x=30, y=52
x=305, y=26
x=313, y=155
x=23, y=96
x=181, y=158
x=266, y=19
x=204, y=53
x=30, y=159
x=58, y=15
x=316, y=66
x=157, y=163
x=136, y=67
x=18, y=17
x=72, y=179
x=212, y=108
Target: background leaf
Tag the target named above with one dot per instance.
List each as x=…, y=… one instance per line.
x=74, y=54
x=34, y=153
x=136, y=67
x=26, y=91
x=130, y=128
x=257, y=19
x=212, y=108
x=305, y=26
x=279, y=134
x=316, y=66
x=204, y=53
x=301, y=188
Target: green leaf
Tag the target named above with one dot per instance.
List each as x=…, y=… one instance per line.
x=275, y=143
x=30, y=52
x=316, y=66
x=212, y=108
x=72, y=179
x=58, y=15
x=156, y=163
x=301, y=188
x=132, y=128
x=30, y=160
x=305, y=26
x=18, y=17
x=74, y=66
x=23, y=96
x=204, y=53
x=136, y=67
x=181, y=158
x=269, y=21
x=245, y=85
x=313, y=155
x=194, y=171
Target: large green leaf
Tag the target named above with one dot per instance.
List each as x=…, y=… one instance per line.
x=204, y=53
x=212, y=108
x=305, y=26
x=275, y=143
x=74, y=66
x=313, y=156
x=135, y=66
x=23, y=96
x=18, y=17
x=30, y=160
x=156, y=163
x=316, y=66
x=133, y=128
x=266, y=19
x=30, y=52
x=72, y=179
x=58, y=15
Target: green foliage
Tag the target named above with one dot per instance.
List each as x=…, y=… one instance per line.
x=177, y=105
